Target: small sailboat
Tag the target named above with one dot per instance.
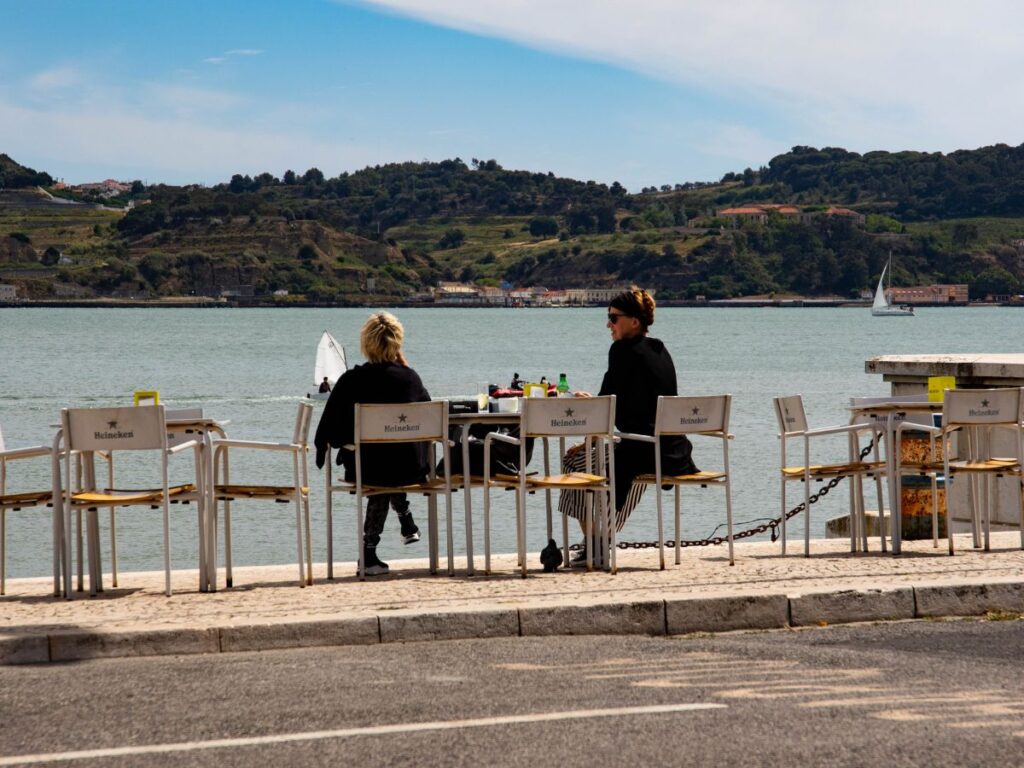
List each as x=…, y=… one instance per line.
x=882, y=307
x=330, y=364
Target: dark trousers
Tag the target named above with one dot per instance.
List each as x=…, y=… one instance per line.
x=377, y=514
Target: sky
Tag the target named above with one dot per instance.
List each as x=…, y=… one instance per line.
x=648, y=92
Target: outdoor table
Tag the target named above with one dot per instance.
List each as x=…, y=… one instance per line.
x=887, y=413
x=465, y=421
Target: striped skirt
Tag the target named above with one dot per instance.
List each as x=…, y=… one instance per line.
x=574, y=503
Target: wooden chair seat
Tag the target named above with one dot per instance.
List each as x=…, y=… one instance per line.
x=819, y=470
x=571, y=480
x=697, y=478
x=427, y=486
x=1005, y=466
x=26, y=498
x=115, y=496
x=229, y=492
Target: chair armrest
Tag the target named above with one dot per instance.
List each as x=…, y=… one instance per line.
x=182, y=446
x=259, y=445
x=635, y=436
x=840, y=430
x=26, y=453
x=503, y=438
x=917, y=428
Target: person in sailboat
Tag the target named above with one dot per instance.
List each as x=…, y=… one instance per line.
x=386, y=377
x=325, y=386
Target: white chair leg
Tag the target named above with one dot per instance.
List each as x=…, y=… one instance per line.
x=3, y=551
x=298, y=535
x=450, y=534
x=81, y=562
x=167, y=548
x=522, y=532
x=935, y=512
x=989, y=483
x=113, y=549
x=361, y=560
x=229, y=576
x=487, y=527
x=661, y=530
x=728, y=516
x=782, y=527
x=329, y=513
x=309, y=540
x=895, y=513
x=565, y=540
x=807, y=517
x=678, y=532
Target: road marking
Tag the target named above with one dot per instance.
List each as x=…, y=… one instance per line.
x=346, y=733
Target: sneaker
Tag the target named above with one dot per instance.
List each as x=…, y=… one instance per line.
x=578, y=558
x=410, y=533
x=373, y=565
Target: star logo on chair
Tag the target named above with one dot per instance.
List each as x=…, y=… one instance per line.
x=569, y=412
x=984, y=403
x=402, y=418
x=696, y=411
x=111, y=425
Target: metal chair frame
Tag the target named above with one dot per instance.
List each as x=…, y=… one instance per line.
x=706, y=416
x=543, y=419
x=297, y=492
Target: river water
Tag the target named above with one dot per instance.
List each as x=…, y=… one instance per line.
x=253, y=366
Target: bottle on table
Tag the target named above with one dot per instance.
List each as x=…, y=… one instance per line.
x=563, y=386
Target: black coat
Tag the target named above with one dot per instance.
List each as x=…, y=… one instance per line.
x=386, y=464
x=639, y=370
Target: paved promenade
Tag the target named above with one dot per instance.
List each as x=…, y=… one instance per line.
x=266, y=609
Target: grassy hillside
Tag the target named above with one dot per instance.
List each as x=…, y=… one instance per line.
x=409, y=225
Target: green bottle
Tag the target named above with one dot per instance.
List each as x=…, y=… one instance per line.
x=563, y=386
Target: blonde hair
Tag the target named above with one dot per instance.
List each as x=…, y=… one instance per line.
x=381, y=338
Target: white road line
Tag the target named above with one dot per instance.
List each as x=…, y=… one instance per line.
x=346, y=733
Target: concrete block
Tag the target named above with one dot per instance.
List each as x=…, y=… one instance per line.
x=76, y=645
x=300, y=634
x=851, y=605
x=645, y=618
x=24, y=649
x=721, y=614
x=969, y=599
x=409, y=626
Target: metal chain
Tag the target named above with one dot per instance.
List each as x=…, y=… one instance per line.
x=770, y=525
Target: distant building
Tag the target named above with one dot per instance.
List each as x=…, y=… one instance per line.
x=930, y=294
x=759, y=212
x=281, y=292
x=745, y=213
x=8, y=292
x=456, y=293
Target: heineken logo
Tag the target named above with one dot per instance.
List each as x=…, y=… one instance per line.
x=113, y=433
x=984, y=403
x=696, y=418
x=569, y=412
x=401, y=426
x=984, y=411
x=111, y=425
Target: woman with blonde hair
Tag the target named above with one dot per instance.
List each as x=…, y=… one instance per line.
x=640, y=369
x=385, y=377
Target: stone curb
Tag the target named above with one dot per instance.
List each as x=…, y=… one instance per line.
x=851, y=605
x=968, y=599
x=677, y=616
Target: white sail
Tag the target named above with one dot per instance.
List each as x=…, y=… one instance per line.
x=330, y=360
x=880, y=300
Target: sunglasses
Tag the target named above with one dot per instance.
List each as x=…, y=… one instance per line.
x=614, y=318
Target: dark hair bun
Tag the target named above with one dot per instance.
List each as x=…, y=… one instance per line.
x=636, y=302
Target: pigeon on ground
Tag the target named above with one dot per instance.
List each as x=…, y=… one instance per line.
x=551, y=557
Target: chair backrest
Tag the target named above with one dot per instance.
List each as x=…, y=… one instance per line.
x=789, y=412
x=182, y=414
x=300, y=435
x=401, y=423
x=688, y=415
x=114, y=429
x=565, y=417
x=982, y=407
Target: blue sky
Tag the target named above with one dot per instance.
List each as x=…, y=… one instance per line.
x=648, y=93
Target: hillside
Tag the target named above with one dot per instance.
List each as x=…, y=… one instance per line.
x=388, y=232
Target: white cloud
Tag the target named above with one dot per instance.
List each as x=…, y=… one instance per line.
x=56, y=78
x=244, y=52
x=214, y=60
x=113, y=135
x=875, y=73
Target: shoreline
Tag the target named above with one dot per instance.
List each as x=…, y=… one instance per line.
x=219, y=304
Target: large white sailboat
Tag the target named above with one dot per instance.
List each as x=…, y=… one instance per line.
x=882, y=307
x=330, y=364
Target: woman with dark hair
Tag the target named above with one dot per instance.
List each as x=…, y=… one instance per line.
x=640, y=369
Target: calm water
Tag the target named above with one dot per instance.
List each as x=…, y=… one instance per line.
x=252, y=366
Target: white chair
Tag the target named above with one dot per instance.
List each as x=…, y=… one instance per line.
x=377, y=424
x=298, y=492
x=24, y=499
x=109, y=430
x=792, y=422
x=592, y=419
x=975, y=415
x=692, y=416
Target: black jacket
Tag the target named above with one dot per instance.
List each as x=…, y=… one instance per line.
x=388, y=464
x=639, y=370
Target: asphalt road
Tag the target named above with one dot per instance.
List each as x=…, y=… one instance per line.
x=915, y=693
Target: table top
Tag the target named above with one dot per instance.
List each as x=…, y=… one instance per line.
x=484, y=418
x=922, y=406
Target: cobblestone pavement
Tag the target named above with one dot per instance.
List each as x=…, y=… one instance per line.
x=271, y=595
